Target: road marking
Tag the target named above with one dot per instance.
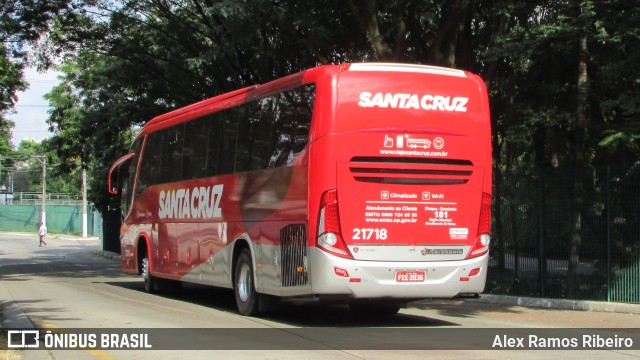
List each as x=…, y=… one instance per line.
x=43, y=324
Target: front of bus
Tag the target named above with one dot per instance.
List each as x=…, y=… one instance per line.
x=400, y=180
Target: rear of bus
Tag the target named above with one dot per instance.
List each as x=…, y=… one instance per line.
x=400, y=180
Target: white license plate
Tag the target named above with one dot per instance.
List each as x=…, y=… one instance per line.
x=410, y=276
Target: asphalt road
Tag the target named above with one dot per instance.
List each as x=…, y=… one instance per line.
x=66, y=286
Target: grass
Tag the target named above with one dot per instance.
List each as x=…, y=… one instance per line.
x=5, y=352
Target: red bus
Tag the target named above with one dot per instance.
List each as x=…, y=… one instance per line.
x=364, y=183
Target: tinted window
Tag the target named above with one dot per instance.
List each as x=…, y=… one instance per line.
x=265, y=133
x=172, y=154
x=221, y=152
x=290, y=113
x=194, y=154
x=127, y=177
x=254, y=138
x=151, y=161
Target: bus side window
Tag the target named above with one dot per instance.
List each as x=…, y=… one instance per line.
x=151, y=162
x=194, y=151
x=172, y=154
x=253, y=148
x=125, y=191
x=281, y=151
x=227, y=133
x=293, y=116
x=127, y=175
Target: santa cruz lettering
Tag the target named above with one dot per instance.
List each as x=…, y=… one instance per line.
x=413, y=101
x=196, y=203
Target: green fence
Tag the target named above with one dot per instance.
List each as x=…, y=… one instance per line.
x=567, y=234
x=63, y=219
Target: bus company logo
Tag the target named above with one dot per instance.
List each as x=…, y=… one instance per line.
x=438, y=143
x=427, y=251
x=196, y=203
x=413, y=101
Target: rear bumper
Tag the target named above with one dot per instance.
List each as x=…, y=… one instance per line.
x=377, y=279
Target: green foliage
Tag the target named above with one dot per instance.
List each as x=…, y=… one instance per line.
x=27, y=176
x=23, y=23
x=11, y=81
x=127, y=61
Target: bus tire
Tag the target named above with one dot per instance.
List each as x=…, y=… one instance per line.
x=244, y=288
x=150, y=284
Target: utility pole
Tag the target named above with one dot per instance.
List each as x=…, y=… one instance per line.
x=43, y=161
x=84, y=202
x=44, y=190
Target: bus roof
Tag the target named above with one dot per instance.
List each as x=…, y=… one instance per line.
x=255, y=91
x=200, y=104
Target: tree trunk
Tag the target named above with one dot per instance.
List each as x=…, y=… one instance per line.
x=368, y=21
x=579, y=139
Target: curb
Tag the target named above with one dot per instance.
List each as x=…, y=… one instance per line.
x=14, y=318
x=65, y=237
x=74, y=238
x=558, y=304
x=12, y=315
x=107, y=254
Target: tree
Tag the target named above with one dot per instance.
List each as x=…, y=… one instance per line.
x=27, y=172
x=23, y=25
x=27, y=177
x=562, y=75
x=160, y=55
x=11, y=82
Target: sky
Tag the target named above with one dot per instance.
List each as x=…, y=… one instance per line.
x=31, y=108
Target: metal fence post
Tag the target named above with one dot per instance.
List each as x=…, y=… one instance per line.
x=542, y=259
x=609, y=225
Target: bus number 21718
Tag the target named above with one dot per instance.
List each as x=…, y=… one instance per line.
x=369, y=233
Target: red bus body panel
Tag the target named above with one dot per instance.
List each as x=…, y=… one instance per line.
x=413, y=159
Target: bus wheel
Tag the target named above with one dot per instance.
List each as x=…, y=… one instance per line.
x=245, y=290
x=149, y=281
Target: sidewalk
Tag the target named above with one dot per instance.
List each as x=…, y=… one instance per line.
x=66, y=237
x=559, y=304
x=12, y=317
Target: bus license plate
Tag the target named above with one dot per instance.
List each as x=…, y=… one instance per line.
x=410, y=276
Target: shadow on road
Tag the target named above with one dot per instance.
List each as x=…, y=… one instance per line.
x=60, y=262
x=305, y=315
x=462, y=308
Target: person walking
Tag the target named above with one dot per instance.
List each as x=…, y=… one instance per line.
x=42, y=231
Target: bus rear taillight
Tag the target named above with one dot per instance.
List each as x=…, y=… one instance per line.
x=483, y=237
x=329, y=234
